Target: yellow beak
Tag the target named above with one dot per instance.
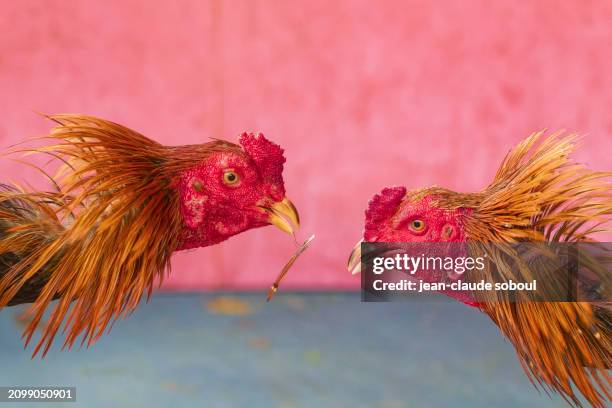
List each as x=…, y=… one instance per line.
x=284, y=215
x=354, y=261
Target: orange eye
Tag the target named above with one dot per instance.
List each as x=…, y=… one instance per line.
x=230, y=177
x=417, y=225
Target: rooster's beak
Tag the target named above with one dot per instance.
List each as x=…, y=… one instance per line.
x=283, y=215
x=354, y=261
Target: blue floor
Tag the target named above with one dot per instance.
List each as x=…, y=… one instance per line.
x=300, y=350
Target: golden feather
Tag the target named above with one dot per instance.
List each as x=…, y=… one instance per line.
x=540, y=194
x=101, y=241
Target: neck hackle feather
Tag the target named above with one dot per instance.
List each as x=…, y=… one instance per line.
x=105, y=236
x=539, y=194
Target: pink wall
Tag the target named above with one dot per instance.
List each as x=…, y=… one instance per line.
x=360, y=96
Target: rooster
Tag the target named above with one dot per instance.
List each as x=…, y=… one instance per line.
x=120, y=206
x=539, y=194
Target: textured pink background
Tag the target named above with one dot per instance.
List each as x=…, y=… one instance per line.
x=361, y=95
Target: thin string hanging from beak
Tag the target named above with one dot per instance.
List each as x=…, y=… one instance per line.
x=288, y=265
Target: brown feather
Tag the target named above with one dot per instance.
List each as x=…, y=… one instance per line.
x=101, y=241
x=540, y=194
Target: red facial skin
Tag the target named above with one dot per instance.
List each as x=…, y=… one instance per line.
x=390, y=214
x=212, y=210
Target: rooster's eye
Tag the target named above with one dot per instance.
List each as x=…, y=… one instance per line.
x=417, y=225
x=230, y=177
